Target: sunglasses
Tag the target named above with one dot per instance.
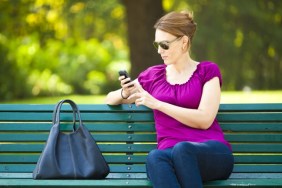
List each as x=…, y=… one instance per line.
x=164, y=44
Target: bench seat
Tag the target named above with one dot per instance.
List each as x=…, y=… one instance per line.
x=126, y=133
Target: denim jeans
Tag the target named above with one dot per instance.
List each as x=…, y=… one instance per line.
x=188, y=164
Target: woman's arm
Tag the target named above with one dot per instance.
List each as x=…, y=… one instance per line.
x=121, y=96
x=200, y=118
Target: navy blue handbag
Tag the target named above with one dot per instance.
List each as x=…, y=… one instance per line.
x=72, y=155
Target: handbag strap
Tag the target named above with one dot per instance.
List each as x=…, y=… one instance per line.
x=56, y=113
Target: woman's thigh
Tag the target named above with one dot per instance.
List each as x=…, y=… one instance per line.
x=214, y=159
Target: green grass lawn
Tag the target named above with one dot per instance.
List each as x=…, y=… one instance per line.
x=226, y=97
x=252, y=97
x=79, y=99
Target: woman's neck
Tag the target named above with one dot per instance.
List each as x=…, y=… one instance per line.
x=184, y=64
x=180, y=72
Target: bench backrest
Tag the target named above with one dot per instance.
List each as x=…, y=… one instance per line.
x=126, y=133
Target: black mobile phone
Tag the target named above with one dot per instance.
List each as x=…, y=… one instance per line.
x=125, y=74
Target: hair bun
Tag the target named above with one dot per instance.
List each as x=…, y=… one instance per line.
x=177, y=24
x=189, y=15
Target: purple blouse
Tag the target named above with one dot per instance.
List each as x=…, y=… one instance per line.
x=188, y=95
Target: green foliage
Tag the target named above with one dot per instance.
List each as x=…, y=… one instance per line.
x=242, y=36
x=60, y=47
x=51, y=48
x=11, y=78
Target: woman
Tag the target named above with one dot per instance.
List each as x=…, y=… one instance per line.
x=185, y=96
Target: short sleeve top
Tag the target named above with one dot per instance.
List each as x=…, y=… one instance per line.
x=187, y=95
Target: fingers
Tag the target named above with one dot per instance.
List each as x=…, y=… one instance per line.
x=140, y=101
x=125, y=82
x=140, y=96
x=140, y=92
x=121, y=77
x=136, y=95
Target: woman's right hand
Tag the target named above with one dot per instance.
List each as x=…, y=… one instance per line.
x=121, y=96
x=127, y=86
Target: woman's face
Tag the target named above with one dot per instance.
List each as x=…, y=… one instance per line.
x=171, y=55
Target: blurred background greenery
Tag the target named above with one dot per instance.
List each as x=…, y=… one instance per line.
x=74, y=48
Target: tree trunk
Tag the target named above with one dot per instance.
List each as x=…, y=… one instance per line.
x=141, y=17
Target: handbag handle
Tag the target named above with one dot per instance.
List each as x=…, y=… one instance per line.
x=56, y=113
x=58, y=105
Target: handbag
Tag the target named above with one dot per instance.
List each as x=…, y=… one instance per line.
x=72, y=155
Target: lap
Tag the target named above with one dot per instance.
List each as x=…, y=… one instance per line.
x=214, y=159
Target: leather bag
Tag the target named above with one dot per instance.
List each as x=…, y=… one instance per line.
x=72, y=155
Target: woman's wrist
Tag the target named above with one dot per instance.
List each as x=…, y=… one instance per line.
x=122, y=96
x=158, y=105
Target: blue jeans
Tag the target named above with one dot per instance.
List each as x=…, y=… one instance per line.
x=188, y=164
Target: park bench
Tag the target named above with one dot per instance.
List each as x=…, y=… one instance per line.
x=126, y=133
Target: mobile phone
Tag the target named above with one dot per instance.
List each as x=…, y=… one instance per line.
x=125, y=74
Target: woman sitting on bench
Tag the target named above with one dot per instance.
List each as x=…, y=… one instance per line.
x=185, y=96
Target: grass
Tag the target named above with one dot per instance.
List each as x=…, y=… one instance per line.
x=251, y=97
x=226, y=97
x=79, y=99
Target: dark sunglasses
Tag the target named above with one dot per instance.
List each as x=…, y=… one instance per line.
x=164, y=44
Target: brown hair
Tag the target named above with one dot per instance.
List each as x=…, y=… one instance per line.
x=177, y=24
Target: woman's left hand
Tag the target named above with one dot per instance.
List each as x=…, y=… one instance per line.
x=144, y=98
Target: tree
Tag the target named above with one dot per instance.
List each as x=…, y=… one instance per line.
x=141, y=17
x=243, y=37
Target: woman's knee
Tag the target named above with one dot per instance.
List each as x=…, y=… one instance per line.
x=184, y=147
x=154, y=156
x=156, y=159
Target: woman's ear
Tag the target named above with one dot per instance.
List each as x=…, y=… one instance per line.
x=186, y=42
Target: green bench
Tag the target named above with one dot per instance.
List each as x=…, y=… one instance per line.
x=125, y=135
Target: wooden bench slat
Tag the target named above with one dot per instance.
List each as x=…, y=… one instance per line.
x=258, y=159
x=140, y=117
x=271, y=137
x=98, y=137
x=76, y=183
x=249, y=117
x=141, y=168
x=98, y=117
x=141, y=137
x=139, y=148
x=66, y=108
x=259, y=107
x=237, y=147
x=144, y=176
x=256, y=182
x=257, y=147
x=29, y=168
x=252, y=127
x=263, y=107
x=138, y=159
x=114, y=127
x=97, y=127
x=258, y=168
x=135, y=183
x=126, y=175
x=113, y=159
x=256, y=175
